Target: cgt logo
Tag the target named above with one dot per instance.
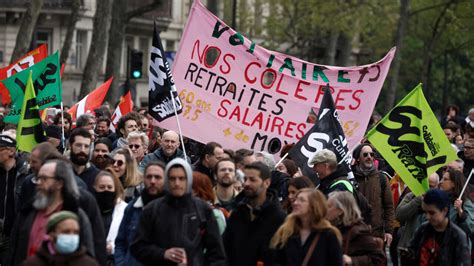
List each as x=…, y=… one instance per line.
x=316, y=141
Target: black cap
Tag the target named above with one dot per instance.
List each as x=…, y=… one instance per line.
x=358, y=149
x=7, y=141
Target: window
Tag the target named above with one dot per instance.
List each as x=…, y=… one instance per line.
x=42, y=36
x=170, y=46
x=81, y=43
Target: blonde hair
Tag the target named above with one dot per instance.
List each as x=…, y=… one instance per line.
x=139, y=135
x=132, y=175
x=346, y=202
x=293, y=224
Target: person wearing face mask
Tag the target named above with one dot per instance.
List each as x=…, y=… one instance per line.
x=109, y=193
x=62, y=244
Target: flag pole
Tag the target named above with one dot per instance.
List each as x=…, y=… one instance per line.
x=465, y=185
x=281, y=160
x=179, y=125
x=63, y=138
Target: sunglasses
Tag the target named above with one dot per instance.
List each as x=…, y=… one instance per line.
x=136, y=146
x=366, y=154
x=118, y=162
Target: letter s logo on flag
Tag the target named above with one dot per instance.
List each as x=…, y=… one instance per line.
x=315, y=141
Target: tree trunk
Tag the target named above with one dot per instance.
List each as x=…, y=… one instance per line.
x=445, y=82
x=114, y=48
x=76, y=5
x=213, y=6
x=120, y=19
x=331, y=48
x=97, y=48
x=395, y=68
x=345, y=42
x=25, y=32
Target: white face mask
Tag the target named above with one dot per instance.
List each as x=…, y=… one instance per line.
x=67, y=244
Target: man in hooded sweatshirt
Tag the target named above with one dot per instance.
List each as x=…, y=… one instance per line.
x=178, y=228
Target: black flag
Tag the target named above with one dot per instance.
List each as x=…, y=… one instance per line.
x=327, y=133
x=161, y=83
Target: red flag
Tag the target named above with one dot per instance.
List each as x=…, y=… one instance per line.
x=125, y=106
x=92, y=101
x=23, y=63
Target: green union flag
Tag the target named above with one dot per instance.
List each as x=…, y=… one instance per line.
x=30, y=128
x=410, y=138
x=47, y=85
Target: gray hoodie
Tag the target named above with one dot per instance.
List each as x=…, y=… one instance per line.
x=188, y=170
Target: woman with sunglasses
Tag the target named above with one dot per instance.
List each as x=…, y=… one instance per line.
x=461, y=211
x=108, y=192
x=125, y=165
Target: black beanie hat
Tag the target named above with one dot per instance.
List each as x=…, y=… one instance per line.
x=358, y=149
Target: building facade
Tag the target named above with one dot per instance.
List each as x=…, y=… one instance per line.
x=51, y=28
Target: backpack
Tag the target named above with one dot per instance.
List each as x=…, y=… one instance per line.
x=361, y=200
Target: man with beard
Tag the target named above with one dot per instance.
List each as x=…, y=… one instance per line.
x=102, y=147
x=225, y=176
x=255, y=220
x=56, y=190
x=169, y=150
x=39, y=155
x=178, y=228
x=80, y=141
x=376, y=189
x=12, y=171
x=154, y=183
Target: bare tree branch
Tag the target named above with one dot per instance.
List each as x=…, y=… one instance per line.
x=143, y=9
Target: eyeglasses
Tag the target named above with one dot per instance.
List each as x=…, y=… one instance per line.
x=366, y=154
x=118, y=162
x=136, y=146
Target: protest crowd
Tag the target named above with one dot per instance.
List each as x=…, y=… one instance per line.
x=134, y=198
x=93, y=185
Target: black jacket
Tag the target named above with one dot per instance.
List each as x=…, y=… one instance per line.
x=87, y=203
x=454, y=249
x=158, y=155
x=21, y=231
x=246, y=241
x=326, y=184
x=10, y=182
x=88, y=176
x=186, y=222
x=328, y=251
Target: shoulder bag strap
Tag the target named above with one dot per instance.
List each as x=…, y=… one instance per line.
x=346, y=245
x=311, y=250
